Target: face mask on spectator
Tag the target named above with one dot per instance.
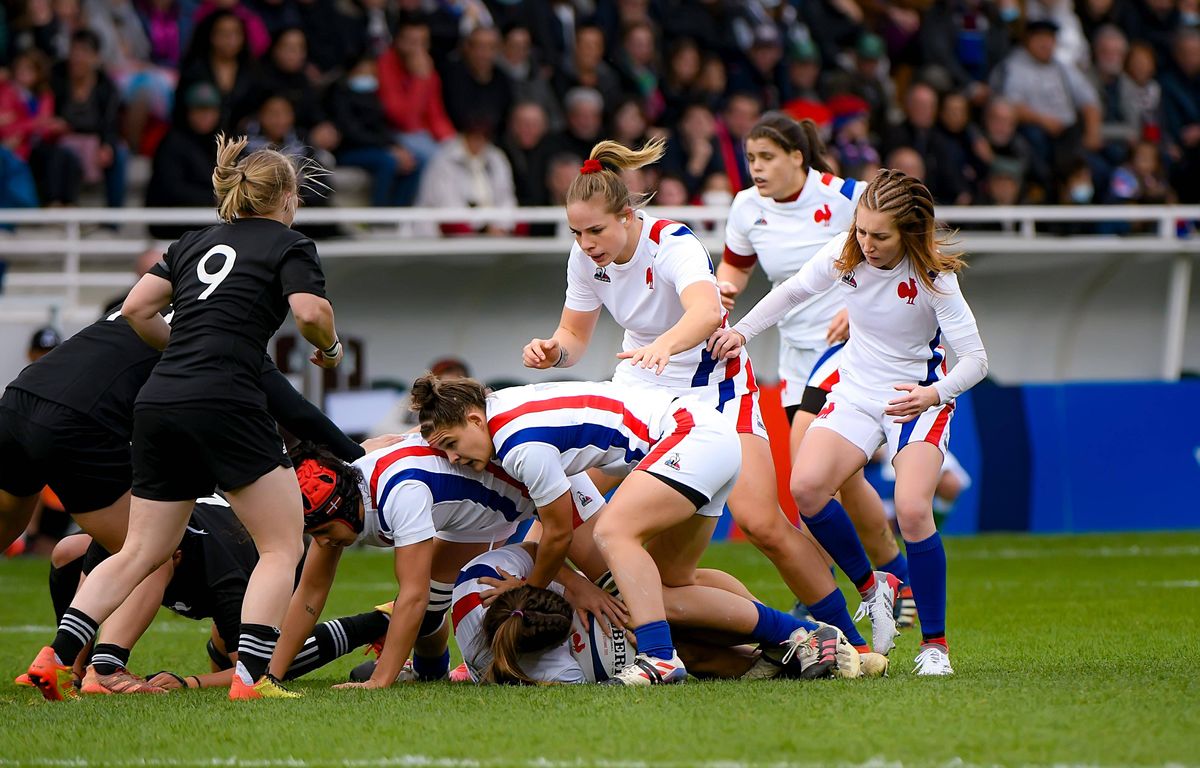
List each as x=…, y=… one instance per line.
x=363, y=83
x=716, y=197
x=1081, y=193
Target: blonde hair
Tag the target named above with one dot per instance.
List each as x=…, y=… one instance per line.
x=257, y=185
x=910, y=205
x=607, y=183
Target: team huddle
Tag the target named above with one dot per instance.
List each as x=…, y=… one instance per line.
x=158, y=427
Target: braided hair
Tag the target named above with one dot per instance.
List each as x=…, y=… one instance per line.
x=527, y=619
x=910, y=206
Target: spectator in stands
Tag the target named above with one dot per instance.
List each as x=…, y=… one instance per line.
x=163, y=28
x=804, y=73
x=837, y=25
x=275, y=127
x=587, y=68
x=561, y=170
x=367, y=139
x=916, y=130
x=868, y=80
x=1120, y=117
x=525, y=144
x=1153, y=22
x=1145, y=90
x=693, y=155
x=375, y=21
x=87, y=103
x=411, y=93
x=713, y=82
x=851, y=131
x=258, y=39
x=741, y=112
x=630, y=125
x=1141, y=180
x=959, y=169
x=585, y=122
x=529, y=74
x=1002, y=140
x=964, y=39
x=1056, y=106
x=141, y=265
x=761, y=71
x=336, y=38
x=218, y=54
x=671, y=191
x=907, y=160
x=1003, y=184
x=472, y=84
x=1071, y=48
x=287, y=73
x=27, y=105
x=185, y=158
x=681, y=82
x=1181, y=114
x=470, y=172
x=638, y=66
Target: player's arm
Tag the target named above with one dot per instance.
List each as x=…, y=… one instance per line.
x=702, y=315
x=142, y=306
x=731, y=281
x=567, y=345
x=314, y=320
x=306, y=605
x=413, y=564
x=300, y=417
x=555, y=541
x=737, y=263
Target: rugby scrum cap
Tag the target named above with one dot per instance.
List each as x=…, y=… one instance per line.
x=330, y=492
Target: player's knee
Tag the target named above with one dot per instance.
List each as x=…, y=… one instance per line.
x=949, y=487
x=284, y=549
x=809, y=496
x=608, y=533
x=766, y=532
x=912, y=512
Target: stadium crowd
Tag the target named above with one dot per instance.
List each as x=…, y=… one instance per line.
x=497, y=102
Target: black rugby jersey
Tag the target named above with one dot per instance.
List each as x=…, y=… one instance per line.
x=230, y=284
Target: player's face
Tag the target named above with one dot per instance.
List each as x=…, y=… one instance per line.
x=878, y=237
x=602, y=236
x=776, y=172
x=334, y=534
x=466, y=445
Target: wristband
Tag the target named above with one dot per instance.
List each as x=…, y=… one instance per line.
x=193, y=677
x=562, y=355
x=334, y=348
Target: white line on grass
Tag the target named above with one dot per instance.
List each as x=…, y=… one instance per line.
x=1022, y=553
x=170, y=628
x=427, y=761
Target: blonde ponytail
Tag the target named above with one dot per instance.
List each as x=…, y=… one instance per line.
x=258, y=185
x=601, y=175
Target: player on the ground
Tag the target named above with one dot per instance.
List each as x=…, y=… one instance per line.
x=900, y=283
x=796, y=206
x=658, y=522
x=435, y=517
x=656, y=280
x=200, y=421
x=535, y=635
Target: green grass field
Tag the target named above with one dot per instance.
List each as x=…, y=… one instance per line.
x=1078, y=650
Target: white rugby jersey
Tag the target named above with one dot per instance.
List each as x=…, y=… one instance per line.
x=544, y=432
x=642, y=295
x=783, y=237
x=589, y=655
x=898, y=325
x=410, y=491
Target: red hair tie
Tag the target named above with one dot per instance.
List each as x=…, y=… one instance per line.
x=591, y=166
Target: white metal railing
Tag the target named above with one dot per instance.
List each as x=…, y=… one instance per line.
x=64, y=233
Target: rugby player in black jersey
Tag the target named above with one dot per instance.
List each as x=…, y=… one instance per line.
x=200, y=421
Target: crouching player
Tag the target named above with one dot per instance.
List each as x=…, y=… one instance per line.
x=435, y=517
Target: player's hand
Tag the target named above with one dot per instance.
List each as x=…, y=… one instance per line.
x=498, y=586
x=589, y=599
x=725, y=343
x=369, y=685
x=168, y=681
x=915, y=401
x=541, y=353
x=839, y=328
x=321, y=361
x=729, y=294
x=380, y=441
x=655, y=355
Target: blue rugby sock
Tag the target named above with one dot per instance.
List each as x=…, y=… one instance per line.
x=431, y=667
x=832, y=528
x=898, y=567
x=831, y=609
x=654, y=640
x=776, y=626
x=927, y=568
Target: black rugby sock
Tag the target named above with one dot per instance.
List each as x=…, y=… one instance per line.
x=64, y=583
x=333, y=639
x=75, y=630
x=256, y=644
x=107, y=658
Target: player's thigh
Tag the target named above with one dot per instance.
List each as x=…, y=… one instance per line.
x=918, y=469
x=155, y=529
x=450, y=556
x=108, y=525
x=677, y=550
x=826, y=460
x=272, y=511
x=643, y=507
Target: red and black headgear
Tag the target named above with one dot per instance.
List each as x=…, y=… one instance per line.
x=329, y=488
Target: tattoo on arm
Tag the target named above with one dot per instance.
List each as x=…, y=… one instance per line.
x=310, y=609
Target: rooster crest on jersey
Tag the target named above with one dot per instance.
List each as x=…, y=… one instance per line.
x=823, y=215
x=908, y=291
